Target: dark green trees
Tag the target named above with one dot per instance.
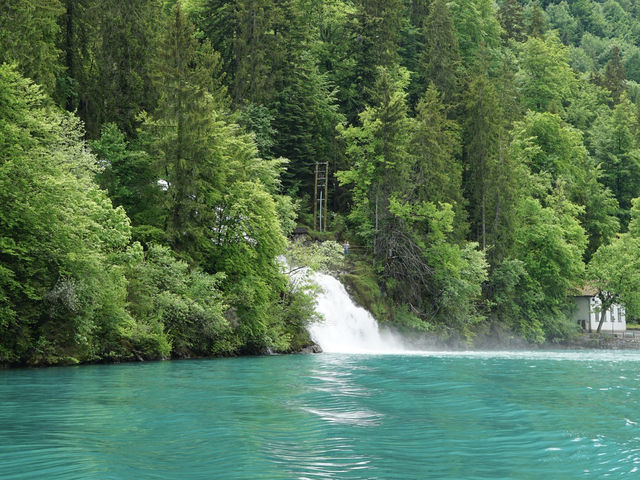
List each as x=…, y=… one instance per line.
x=28, y=33
x=399, y=213
x=482, y=131
x=509, y=125
x=107, y=50
x=616, y=153
x=184, y=136
x=440, y=61
x=222, y=208
x=615, y=75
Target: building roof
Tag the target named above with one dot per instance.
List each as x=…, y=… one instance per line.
x=586, y=290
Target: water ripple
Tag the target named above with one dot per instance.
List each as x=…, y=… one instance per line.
x=435, y=415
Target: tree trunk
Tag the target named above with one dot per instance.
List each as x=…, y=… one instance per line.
x=375, y=234
x=484, y=223
x=605, y=305
x=602, y=315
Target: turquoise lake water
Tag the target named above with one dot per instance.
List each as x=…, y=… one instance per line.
x=542, y=415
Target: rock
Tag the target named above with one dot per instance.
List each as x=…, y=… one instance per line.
x=313, y=348
x=300, y=233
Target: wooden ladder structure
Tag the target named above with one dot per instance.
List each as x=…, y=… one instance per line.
x=320, y=194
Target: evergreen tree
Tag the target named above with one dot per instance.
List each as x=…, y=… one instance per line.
x=378, y=151
x=379, y=22
x=108, y=51
x=437, y=171
x=511, y=16
x=419, y=11
x=537, y=23
x=617, y=155
x=121, y=86
x=75, y=41
x=28, y=32
x=482, y=134
x=332, y=47
x=375, y=30
x=477, y=26
x=614, y=75
x=506, y=184
x=410, y=235
x=222, y=211
x=305, y=119
x=439, y=61
x=184, y=136
x=256, y=39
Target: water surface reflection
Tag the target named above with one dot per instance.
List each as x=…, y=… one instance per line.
x=519, y=415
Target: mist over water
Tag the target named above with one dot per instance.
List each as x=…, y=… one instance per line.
x=348, y=328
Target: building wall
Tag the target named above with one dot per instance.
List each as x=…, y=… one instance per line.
x=587, y=314
x=582, y=313
x=614, y=321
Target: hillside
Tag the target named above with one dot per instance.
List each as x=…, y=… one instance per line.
x=155, y=156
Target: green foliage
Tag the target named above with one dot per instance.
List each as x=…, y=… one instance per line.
x=178, y=311
x=255, y=40
x=378, y=151
x=510, y=124
x=439, y=62
x=477, y=25
x=510, y=14
x=374, y=27
x=616, y=153
x=128, y=176
x=305, y=119
x=107, y=52
x=437, y=174
x=362, y=284
x=121, y=62
x=446, y=275
x=550, y=242
x=615, y=75
x=408, y=234
x=563, y=22
x=545, y=78
x=188, y=139
x=487, y=184
x=28, y=31
x=550, y=147
x=614, y=270
x=63, y=292
x=258, y=120
x=536, y=21
x=324, y=256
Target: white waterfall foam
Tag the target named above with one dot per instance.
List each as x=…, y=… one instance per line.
x=348, y=328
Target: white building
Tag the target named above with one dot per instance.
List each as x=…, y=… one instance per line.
x=587, y=313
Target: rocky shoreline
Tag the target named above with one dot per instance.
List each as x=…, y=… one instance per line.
x=604, y=341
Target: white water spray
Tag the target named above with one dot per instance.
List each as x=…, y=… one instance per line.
x=348, y=328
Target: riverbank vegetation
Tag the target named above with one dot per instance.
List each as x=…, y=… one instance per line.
x=156, y=155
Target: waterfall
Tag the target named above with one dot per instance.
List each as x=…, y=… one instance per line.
x=348, y=328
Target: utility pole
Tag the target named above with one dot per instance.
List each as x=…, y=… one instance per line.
x=315, y=203
x=320, y=196
x=326, y=192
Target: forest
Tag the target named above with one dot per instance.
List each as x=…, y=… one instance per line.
x=156, y=155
